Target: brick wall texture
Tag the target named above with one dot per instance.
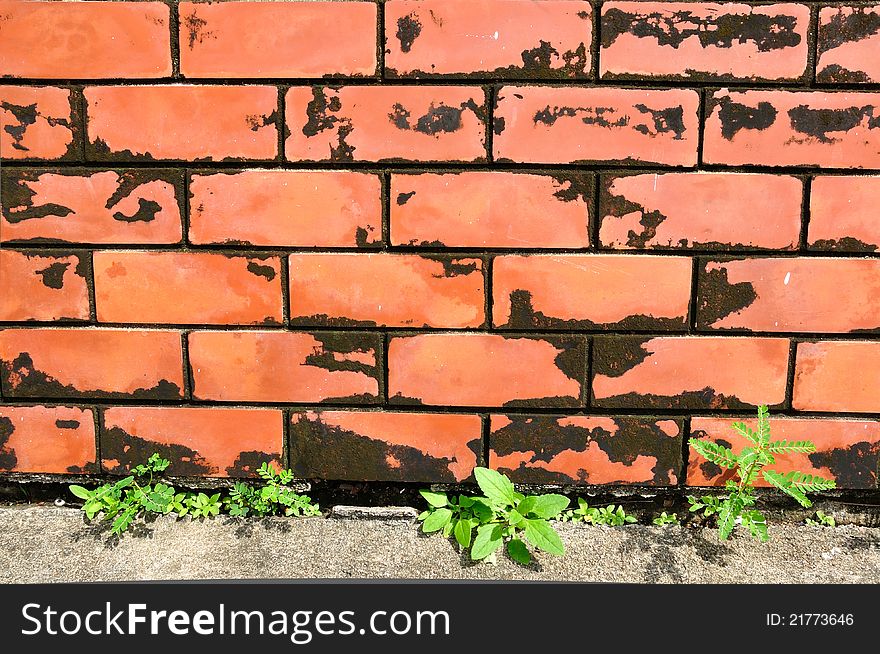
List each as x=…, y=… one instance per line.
x=390, y=241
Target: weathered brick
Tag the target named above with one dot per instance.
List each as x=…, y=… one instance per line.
x=790, y=294
x=182, y=121
x=39, y=123
x=76, y=40
x=704, y=40
x=486, y=370
x=793, y=128
x=700, y=211
x=504, y=38
x=187, y=288
x=843, y=214
x=386, y=123
x=847, y=451
x=849, y=38
x=392, y=290
x=292, y=208
x=275, y=366
x=277, y=39
x=543, y=449
x=688, y=372
x=212, y=442
x=591, y=291
x=550, y=124
x=43, y=286
x=77, y=206
x=91, y=363
x=837, y=376
x=47, y=439
x=385, y=446
x=491, y=209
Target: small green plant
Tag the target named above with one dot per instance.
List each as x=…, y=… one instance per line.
x=822, y=519
x=666, y=519
x=709, y=504
x=611, y=515
x=736, y=506
x=484, y=523
x=137, y=495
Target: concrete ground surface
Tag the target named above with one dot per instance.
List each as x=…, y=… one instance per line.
x=52, y=544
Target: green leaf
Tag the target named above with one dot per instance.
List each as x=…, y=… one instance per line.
x=743, y=430
x=811, y=483
x=712, y=451
x=80, y=492
x=783, y=446
x=784, y=483
x=763, y=425
x=730, y=511
x=438, y=500
x=518, y=551
x=526, y=505
x=487, y=541
x=462, y=533
x=497, y=487
x=540, y=534
x=757, y=525
x=437, y=520
x=514, y=517
x=550, y=506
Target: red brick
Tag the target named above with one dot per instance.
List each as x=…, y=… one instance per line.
x=542, y=449
x=793, y=128
x=277, y=39
x=43, y=287
x=39, y=122
x=44, y=439
x=213, y=442
x=701, y=211
x=843, y=214
x=75, y=206
x=290, y=208
x=507, y=38
x=704, y=40
x=548, y=124
x=847, y=451
x=486, y=370
x=275, y=366
x=93, y=363
x=187, y=288
x=491, y=209
x=837, y=376
x=77, y=40
x=386, y=123
x=591, y=291
x=385, y=446
x=391, y=290
x=790, y=295
x=688, y=372
x=182, y=122
x=849, y=38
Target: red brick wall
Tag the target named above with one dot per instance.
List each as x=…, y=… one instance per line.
x=394, y=240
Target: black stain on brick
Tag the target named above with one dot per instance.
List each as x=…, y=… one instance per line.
x=8, y=460
x=718, y=298
x=26, y=115
x=195, y=28
x=612, y=206
x=664, y=121
x=860, y=23
x=818, y=123
x=403, y=198
x=129, y=182
x=709, y=469
x=261, y=271
x=543, y=61
x=856, y=466
x=499, y=125
x=247, y=463
x=326, y=320
x=574, y=186
x=362, y=236
x=331, y=356
x=99, y=150
x=19, y=378
x=321, y=113
x=67, y=424
x=53, y=275
x=18, y=199
x=601, y=116
x=146, y=212
x=322, y=451
x=571, y=361
x=408, y=29
x=439, y=119
x=614, y=356
x=845, y=244
x=452, y=267
x=837, y=74
x=767, y=33
x=735, y=116
x=129, y=450
x=523, y=315
x=545, y=438
x=706, y=398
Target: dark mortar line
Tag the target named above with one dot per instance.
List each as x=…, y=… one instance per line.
x=685, y=450
x=803, y=240
x=285, y=435
x=415, y=167
x=594, y=216
x=489, y=292
x=813, y=47
x=380, y=40
x=285, y=292
x=406, y=331
x=596, y=46
x=485, y=434
x=790, y=373
x=383, y=391
x=385, y=190
x=701, y=127
x=696, y=264
x=281, y=124
x=82, y=125
x=98, y=413
x=90, y=288
x=587, y=385
x=185, y=209
x=188, y=377
x=174, y=26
